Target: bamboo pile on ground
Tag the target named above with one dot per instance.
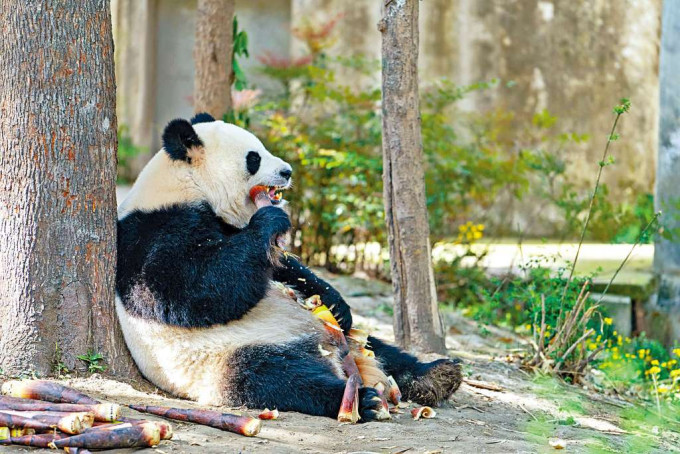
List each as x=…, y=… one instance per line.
x=44, y=414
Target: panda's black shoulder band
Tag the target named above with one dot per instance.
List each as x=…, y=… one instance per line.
x=178, y=137
x=202, y=117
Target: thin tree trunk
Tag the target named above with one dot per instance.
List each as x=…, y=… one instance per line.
x=57, y=186
x=667, y=197
x=212, y=56
x=417, y=323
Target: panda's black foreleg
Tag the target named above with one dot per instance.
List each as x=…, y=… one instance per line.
x=291, y=377
x=425, y=383
x=297, y=276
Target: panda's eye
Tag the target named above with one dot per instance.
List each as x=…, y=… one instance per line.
x=253, y=160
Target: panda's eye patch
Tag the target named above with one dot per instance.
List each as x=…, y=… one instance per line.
x=253, y=160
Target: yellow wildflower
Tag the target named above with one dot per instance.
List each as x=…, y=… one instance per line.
x=654, y=370
x=675, y=373
x=655, y=362
x=607, y=321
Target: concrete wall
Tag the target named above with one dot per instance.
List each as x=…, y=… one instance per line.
x=575, y=58
x=154, y=61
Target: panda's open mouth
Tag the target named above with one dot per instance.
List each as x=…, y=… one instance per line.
x=275, y=194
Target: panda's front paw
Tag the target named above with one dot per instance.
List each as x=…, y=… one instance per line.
x=340, y=309
x=270, y=222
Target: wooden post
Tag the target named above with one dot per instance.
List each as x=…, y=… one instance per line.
x=212, y=56
x=417, y=323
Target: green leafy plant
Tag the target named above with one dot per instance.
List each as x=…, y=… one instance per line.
x=240, y=50
x=58, y=366
x=127, y=151
x=94, y=361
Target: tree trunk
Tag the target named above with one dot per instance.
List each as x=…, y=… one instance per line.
x=57, y=186
x=667, y=199
x=417, y=323
x=212, y=56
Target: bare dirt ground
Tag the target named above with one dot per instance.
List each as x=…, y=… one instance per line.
x=525, y=416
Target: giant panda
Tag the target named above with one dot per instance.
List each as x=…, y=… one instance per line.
x=198, y=292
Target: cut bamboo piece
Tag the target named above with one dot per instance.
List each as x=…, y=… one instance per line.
x=366, y=352
x=70, y=423
x=423, y=412
x=259, y=196
x=359, y=336
x=349, y=407
x=126, y=436
x=394, y=393
x=21, y=422
x=165, y=427
x=244, y=425
x=269, y=414
x=45, y=390
x=102, y=412
x=35, y=441
x=21, y=432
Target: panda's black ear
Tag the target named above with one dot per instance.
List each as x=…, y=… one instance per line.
x=202, y=117
x=179, y=136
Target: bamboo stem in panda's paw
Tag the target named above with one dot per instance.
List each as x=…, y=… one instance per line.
x=349, y=408
x=259, y=196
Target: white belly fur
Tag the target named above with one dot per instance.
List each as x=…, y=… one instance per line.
x=191, y=362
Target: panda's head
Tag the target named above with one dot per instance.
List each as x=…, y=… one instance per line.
x=221, y=162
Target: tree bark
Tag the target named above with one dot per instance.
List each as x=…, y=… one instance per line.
x=212, y=56
x=57, y=186
x=417, y=323
x=667, y=199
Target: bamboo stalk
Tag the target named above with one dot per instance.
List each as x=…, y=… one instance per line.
x=21, y=432
x=165, y=429
x=394, y=393
x=45, y=390
x=349, y=407
x=127, y=436
x=244, y=425
x=164, y=426
x=102, y=412
x=21, y=422
x=70, y=423
x=35, y=441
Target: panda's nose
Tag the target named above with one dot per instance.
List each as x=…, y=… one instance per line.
x=286, y=173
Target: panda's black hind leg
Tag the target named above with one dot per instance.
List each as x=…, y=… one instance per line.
x=425, y=383
x=291, y=377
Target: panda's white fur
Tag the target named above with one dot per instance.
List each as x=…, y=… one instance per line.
x=216, y=175
x=190, y=362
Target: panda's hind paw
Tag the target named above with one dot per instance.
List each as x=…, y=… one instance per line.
x=435, y=382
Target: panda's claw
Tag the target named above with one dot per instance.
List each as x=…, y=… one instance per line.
x=370, y=405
